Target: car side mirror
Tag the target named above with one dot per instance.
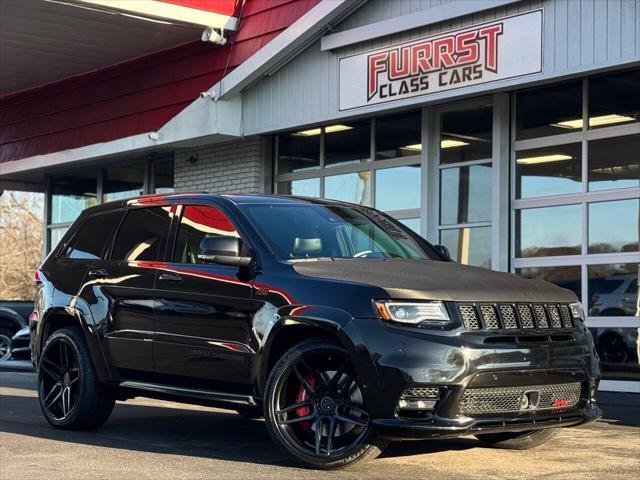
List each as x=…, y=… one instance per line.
x=443, y=251
x=223, y=250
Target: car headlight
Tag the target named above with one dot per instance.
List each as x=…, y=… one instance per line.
x=576, y=310
x=413, y=313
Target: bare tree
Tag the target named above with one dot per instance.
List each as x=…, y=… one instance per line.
x=21, y=227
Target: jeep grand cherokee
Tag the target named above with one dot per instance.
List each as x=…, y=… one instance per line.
x=341, y=326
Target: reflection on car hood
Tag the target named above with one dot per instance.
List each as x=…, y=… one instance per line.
x=427, y=279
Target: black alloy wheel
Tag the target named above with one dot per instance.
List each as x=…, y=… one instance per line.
x=315, y=409
x=60, y=379
x=71, y=397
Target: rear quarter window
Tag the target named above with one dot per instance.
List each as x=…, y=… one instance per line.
x=142, y=235
x=91, y=240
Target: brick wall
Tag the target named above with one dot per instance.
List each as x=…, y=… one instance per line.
x=239, y=166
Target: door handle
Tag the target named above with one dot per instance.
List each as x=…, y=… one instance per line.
x=170, y=277
x=98, y=273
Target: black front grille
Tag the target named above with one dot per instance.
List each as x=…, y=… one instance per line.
x=509, y=316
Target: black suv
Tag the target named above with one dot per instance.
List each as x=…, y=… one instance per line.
x=341, y=326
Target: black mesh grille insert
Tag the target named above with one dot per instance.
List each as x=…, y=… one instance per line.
x=489, y=317
x=526, y=318
x=469, y=317
x=521, y=316
x=541, y=316
x=555, y=316
x=565, y=313
x=508, y=316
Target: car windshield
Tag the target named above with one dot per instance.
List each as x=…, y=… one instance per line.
x=310, y=231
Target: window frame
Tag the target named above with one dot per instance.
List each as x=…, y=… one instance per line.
x=150, y=162
x=371, y=165
x=175, y=231
x=583, y=198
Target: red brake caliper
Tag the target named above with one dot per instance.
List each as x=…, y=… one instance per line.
x=301, y=397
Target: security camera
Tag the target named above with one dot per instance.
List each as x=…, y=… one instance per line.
x=208, y=94
x=210, y=35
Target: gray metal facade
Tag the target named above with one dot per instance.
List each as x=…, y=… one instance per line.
x=579, y=36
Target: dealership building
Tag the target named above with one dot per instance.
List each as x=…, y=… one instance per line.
x=508, y=131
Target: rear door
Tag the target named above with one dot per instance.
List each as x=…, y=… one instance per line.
x=125, y=284
x=203, y=311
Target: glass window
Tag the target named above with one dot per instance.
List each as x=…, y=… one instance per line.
x=614, y=99
x=70, y=195
x=163, y=177
x=469, y=246
x=412, y=223
x=350, y=187
x=613, y=226
x=90, y=241
x=55, y=235
x=309, y=187
x=548, y=231
x=398, y=188
x=549, y=171
x=618, y=352
x=347, y=143
x=609, y=290
x=123, y=181
x=565, y=277
x=465, y=194
x=398, y=136
x=299, y=151
x=318, y=231
x=466, y=135
x=196, y=223
x=142, y=234
x=614, y=163
x=549, y=111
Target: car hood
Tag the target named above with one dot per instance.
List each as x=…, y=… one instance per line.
x=434, y=280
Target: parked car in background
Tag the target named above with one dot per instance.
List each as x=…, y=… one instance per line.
x=21, y=345
x=14, y=315
x=614, y=296
x=340, y=325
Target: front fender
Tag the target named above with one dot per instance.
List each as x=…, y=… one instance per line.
x=286, y=320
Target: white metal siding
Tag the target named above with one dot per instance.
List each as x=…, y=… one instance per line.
x=579, y=36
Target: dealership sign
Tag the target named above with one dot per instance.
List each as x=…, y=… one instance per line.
x=497, y=50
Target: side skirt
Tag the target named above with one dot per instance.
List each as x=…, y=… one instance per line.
x=131, y=389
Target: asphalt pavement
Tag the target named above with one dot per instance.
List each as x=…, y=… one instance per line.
x=163, y=440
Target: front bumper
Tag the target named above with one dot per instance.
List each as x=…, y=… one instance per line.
x=396, y=359
x=437, y=427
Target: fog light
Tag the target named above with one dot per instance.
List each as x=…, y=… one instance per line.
x=419, y=398
x=414, y=404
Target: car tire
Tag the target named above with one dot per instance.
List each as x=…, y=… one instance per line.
x=517, y=440
x=70, y=395
x=344, y=392
x=5, y=344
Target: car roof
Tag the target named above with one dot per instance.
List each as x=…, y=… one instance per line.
x=235, y=198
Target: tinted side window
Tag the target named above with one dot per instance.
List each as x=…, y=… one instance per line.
x=89, y=242
x=142, y=234
x=196, y=223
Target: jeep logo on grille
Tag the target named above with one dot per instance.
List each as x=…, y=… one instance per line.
x=530, y=400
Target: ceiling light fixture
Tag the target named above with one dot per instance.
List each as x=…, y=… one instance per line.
x=328, y=129
x=415, y=147
x=594, y=121
x=448, y=143
x=554, y=157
